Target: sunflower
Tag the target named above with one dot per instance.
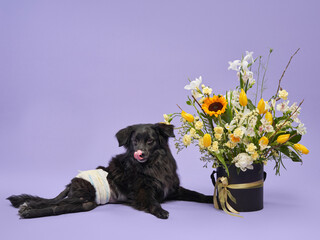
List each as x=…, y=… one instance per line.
x=215, y=105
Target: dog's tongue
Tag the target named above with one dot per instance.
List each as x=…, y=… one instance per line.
x=137, y=155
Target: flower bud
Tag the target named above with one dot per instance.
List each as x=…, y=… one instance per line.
x=268, y=117
x=187, y=116
x=261, y=106
x=243, y=98
x=283, y=138
x=301, y=148
x=206, y=140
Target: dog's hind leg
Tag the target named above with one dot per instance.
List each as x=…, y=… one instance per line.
x=189, y=195
x=17, y=200
x=67, y=205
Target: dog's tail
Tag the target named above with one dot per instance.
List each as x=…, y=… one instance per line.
x=17, y=200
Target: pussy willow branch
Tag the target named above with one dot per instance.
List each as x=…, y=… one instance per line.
x=285, y=70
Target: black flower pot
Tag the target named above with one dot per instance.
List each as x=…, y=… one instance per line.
x=247, y=200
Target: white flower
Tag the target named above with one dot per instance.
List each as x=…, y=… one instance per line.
x=207, y=90
x=235, y=65
x=186, y=140
x=199, y=125
x=251, y=148
x=243, y=161
x=301, y=129
x=283, y=94
x=283, y=107
x=229, y=127
x=266, y=126
x=194, y=86
x=250, y=132
x=248, y=57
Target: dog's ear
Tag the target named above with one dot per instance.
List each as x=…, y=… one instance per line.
x=165, y=129
x=124, y=135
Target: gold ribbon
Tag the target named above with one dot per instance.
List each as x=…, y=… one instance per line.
x=221, y=188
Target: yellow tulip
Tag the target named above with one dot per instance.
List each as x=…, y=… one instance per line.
x=206, y=140
x=301, y=148
x=283, y=138
x=261, y=106
x=187, y=116
x=269, y=117
x=264, y=141
x=243, y=98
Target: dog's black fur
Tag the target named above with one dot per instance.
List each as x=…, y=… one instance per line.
x=143, y=183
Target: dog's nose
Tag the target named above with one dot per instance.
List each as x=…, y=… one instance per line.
x=142, y=154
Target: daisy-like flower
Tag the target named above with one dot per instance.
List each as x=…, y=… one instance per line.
x=234, y=139
x=215, y=105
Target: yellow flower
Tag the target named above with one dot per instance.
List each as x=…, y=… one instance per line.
x=187, y=116
x=264, y=141
x=301, y=148
x=261, y=106
x=234, y=139
x=251, y=148
x=255, y=155
x=283, y=94
x=283, y=138
x=243, y=98
x=214, y=105
x=198, y=125
x=268, y=117
x=206, y=140
x=186, y=140
x=218, y=130
x=218, y=136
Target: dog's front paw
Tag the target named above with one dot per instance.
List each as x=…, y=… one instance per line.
x=161, y=213
x=24, y=210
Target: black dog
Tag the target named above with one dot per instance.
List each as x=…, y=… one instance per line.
x=143, y=177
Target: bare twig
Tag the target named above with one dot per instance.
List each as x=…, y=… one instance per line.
x=285, y=70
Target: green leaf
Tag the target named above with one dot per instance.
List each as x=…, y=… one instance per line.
x=221, y=159
x=290, y=154
x=250, y=105
x=296, y=138
x=189, y=103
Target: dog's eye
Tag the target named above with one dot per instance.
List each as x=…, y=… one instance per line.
x=150, y=141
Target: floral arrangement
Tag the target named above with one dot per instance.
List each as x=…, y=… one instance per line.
x=231, y=129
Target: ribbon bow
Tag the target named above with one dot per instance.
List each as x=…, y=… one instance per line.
x=221, y=188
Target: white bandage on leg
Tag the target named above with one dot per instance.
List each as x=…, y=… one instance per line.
x=98, y=179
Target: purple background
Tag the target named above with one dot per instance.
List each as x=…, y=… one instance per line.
x=74, y=72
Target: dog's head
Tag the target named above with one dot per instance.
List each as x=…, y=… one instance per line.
x=143, y=140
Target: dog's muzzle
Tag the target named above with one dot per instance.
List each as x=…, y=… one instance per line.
x=140, y=156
